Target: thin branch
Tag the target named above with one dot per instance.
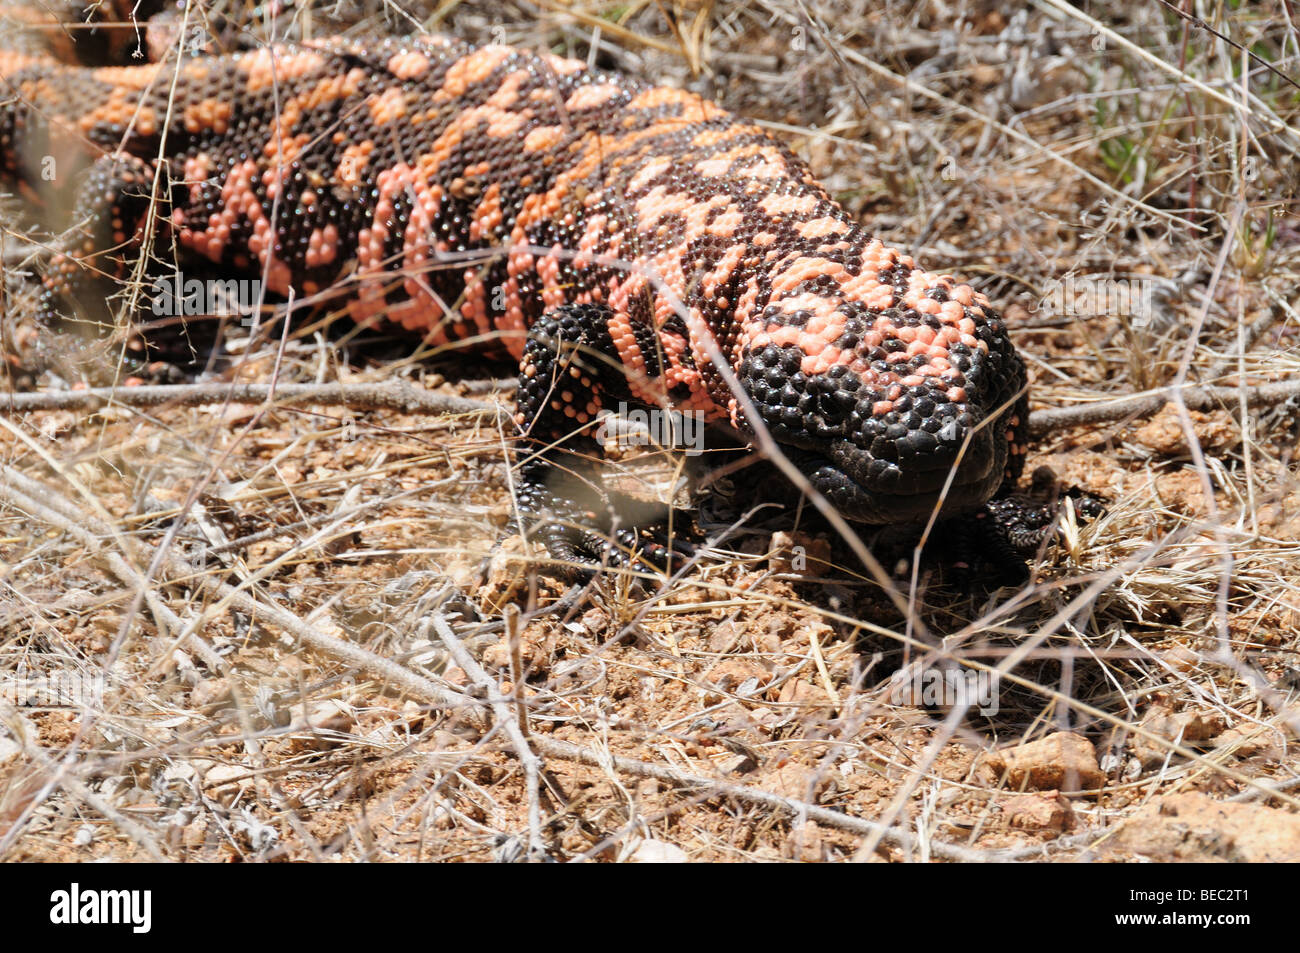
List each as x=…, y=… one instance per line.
x=399, y=395
x=508, y=722
x=1042, y=422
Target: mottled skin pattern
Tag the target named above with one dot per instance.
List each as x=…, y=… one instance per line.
x=614, y=237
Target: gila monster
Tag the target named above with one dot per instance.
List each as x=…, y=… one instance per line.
x=621, y=241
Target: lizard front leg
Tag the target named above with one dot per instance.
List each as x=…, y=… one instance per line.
x=567, y=374
x=109, y=214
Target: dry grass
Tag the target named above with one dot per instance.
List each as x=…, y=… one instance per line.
x=316, y=646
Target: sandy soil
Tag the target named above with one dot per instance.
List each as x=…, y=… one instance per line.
x=323, y=639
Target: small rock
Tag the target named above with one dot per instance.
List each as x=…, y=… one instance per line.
x=497, y=656
x=804, y=843
x=1196, y=725
x=591, y=625
x=9, y=750
x=535, y=648
x=507, y=573
x=1188, y=728
x=1182, y=492
x=226, y=782
x=1195, y=827
x=810, y=700
x=657, y=852
x=985, y=76
x=196, y=832
x=799, y=554
x=796, y=781
x=1063, y=761
x=736, y=764
x=211, y=692
x=326, y=716
x=1039, y=811
x=455, y=675
x=1181, y=659
x=12, y=735
x=724, y=637
x=738, y=676
x=1246, y=741
x=1164, y=433
x=413, y=714
x=448, y=741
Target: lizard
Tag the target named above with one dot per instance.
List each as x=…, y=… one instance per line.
x=622, y=242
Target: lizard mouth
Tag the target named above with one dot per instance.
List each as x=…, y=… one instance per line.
x=868, y=489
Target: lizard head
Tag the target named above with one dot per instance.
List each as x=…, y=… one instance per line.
x=890, y=412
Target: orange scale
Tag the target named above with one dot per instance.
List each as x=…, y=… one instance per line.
x=951, y=312
x=816, y=365
x=881, y=297
x=785, y=336
x=837, y=355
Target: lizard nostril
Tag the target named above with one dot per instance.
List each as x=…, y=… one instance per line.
x=835, y=406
